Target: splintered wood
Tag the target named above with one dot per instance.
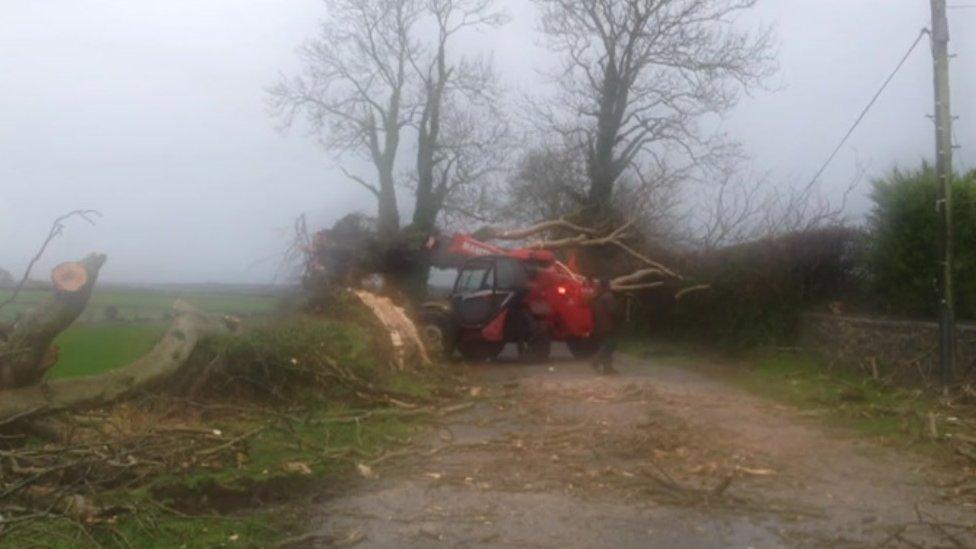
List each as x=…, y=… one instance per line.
x=403, y=332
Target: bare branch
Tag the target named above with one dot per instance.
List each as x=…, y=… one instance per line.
x=637, y=76
x=494, y=233
x=692, y=289
x=57, y=227
x=368, y=186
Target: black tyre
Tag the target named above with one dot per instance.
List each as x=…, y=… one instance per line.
x=438, y=333
x=583, y=349
x=480, y=351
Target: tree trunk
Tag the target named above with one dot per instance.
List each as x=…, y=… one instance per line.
x=388, y=221
x=146, y=373
x=26, y=351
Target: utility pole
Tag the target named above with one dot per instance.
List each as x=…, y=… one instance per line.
x=943, y=171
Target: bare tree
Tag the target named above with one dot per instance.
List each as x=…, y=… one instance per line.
x=739, y=209
x=354, y=89
x=371, y=74
x=638, y=75
x=547, y=183
x=460, y=127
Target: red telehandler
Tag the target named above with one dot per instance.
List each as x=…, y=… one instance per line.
x=500, y=296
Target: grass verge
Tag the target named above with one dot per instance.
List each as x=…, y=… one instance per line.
x=886, y=413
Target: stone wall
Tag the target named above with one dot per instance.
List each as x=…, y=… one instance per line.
x=901, y=350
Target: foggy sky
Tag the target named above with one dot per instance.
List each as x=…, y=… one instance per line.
x=154, y=114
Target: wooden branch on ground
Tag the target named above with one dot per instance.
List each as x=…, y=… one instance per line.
x=151, y=371
x=692, y=289
x=26, y=352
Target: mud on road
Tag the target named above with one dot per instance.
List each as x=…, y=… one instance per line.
x=658, y=456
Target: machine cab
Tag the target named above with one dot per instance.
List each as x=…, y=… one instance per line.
x=485, y=286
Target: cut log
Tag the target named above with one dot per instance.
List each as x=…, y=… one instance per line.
x=26, y=351
x=69, y=277
x=149, y=372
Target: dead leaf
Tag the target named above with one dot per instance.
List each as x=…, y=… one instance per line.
x=351, y=537
x=365, y=470
x=475, y=391
x=297, y=467
x=755, y=472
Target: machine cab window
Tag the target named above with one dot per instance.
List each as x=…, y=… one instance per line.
x=474, y=277
x=510, y=275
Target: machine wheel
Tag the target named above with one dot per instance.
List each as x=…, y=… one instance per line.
x=583, y=349
x=437, y=332
x=480, y=351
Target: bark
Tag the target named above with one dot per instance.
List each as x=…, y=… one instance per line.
x=149, y=372
x=388, y=220
x=26, y=351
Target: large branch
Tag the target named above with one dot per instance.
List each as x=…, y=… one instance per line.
x=26, y=354
x=495, y=233
x=588, y=238
x=151, y=371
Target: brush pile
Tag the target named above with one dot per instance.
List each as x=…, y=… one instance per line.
x=213, y=408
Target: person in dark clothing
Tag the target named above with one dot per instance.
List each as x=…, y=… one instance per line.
x=604, y=328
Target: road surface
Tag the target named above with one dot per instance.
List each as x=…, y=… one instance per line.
x=554, y=456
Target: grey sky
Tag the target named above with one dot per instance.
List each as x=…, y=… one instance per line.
x=153, y=113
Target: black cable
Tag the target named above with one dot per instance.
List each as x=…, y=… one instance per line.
x=868, y=108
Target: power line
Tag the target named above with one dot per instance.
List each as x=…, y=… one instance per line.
x=864, y=113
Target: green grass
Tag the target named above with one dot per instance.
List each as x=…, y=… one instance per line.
x=178, y=510
x=839, y=398
x=331, y=442
x=87, y=349
x=149, y=304
x=155, y=527
x=843, y=399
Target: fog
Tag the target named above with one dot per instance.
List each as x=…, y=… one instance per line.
x=154, y=114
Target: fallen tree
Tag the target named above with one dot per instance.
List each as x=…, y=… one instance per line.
x=26, y=351
x=351, y=252
x=564, y=234
x=146, y=373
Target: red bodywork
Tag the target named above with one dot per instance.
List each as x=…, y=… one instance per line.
x=557, y=296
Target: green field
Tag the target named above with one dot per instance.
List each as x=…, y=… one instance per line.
x=86, y=349
x=149, y=304
x=94, y=345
